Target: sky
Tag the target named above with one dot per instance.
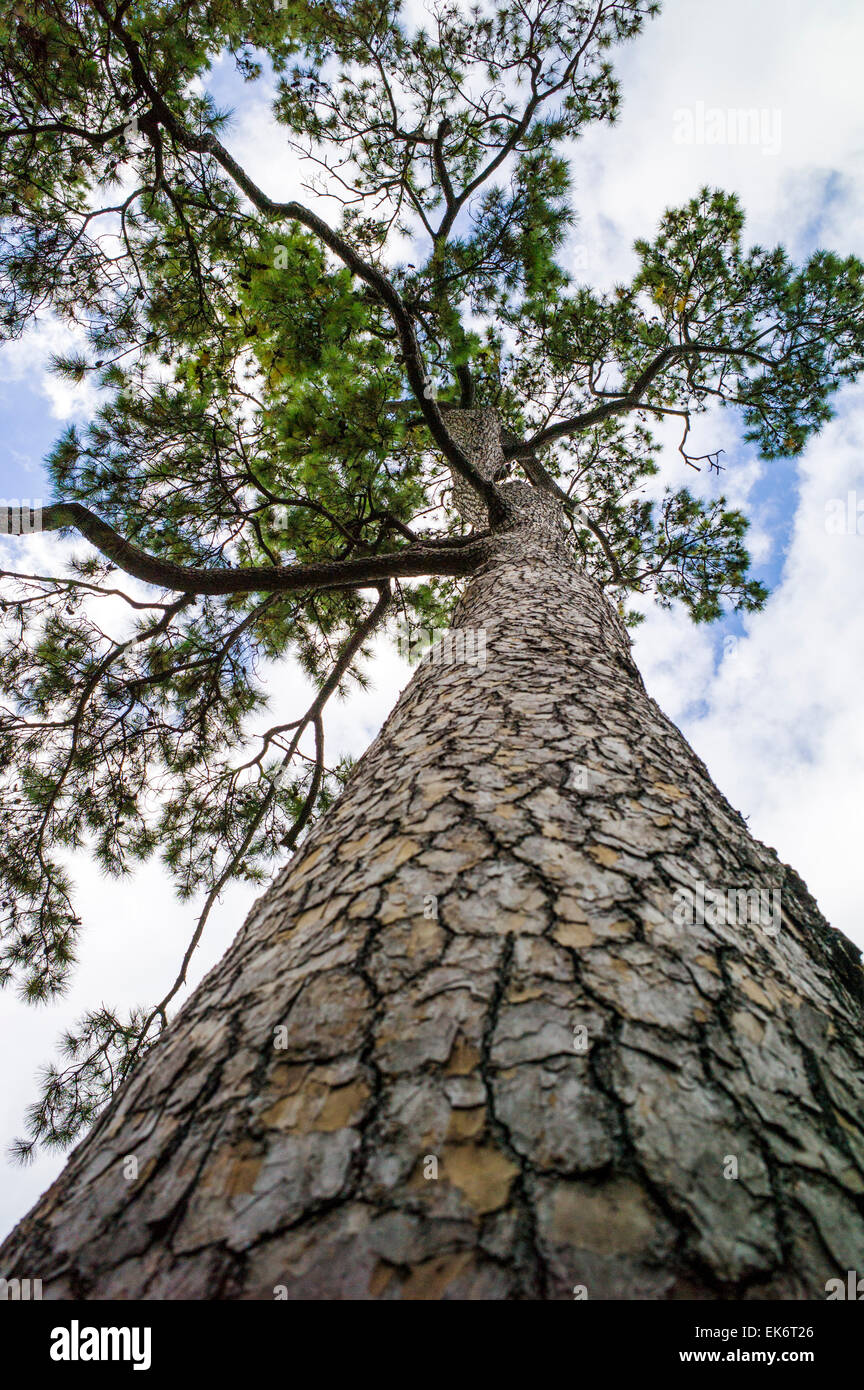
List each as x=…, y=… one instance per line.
x=771, y=702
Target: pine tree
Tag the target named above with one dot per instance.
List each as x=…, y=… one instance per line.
x=528, y=1008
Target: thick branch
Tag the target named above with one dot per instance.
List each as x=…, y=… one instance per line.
x=445, y=555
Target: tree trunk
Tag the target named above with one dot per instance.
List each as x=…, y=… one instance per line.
x=469, y=1044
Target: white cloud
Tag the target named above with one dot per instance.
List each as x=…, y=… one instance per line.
x=27, y=360
x=784, y=54
x=781, y=731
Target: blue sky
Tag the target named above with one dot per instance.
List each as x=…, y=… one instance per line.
x=774, y=712
x=28, y=431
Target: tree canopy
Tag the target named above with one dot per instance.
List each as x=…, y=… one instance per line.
x=270, y=456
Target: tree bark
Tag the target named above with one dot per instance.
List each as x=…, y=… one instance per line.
x=466, y=1047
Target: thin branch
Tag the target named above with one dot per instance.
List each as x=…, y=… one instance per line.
x=312, y=716
x=415, y=369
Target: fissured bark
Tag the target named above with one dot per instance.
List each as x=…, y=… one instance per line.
x=467, y=1046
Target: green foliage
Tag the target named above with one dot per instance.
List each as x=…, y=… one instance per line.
x=248, y=367
x=99, y=1053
